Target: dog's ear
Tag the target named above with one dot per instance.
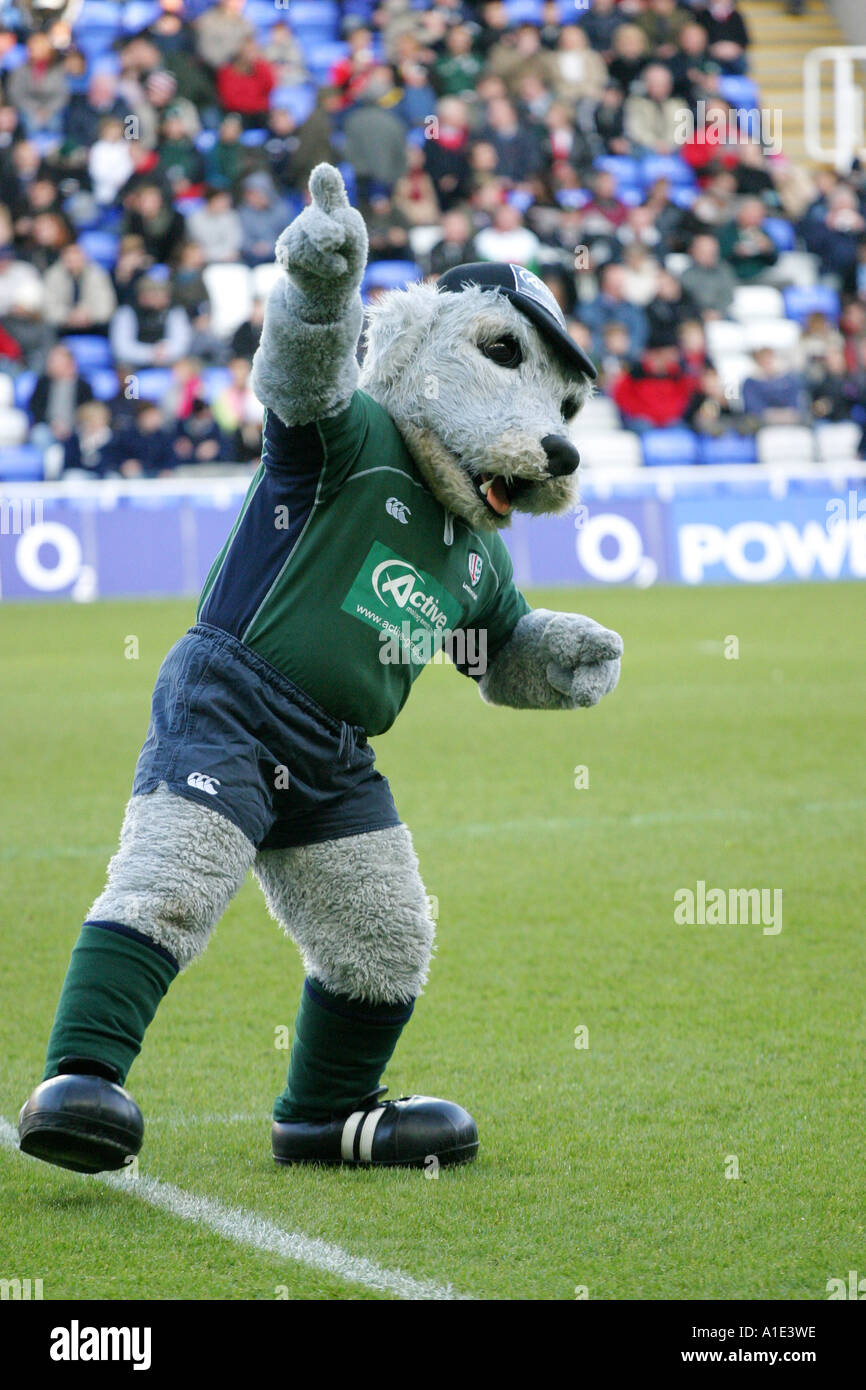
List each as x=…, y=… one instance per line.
x=397, y=325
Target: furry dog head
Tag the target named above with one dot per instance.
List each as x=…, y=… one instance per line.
x=482, y=385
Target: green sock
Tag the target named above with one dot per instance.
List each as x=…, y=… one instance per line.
x=115, y=981
x=340, y=1050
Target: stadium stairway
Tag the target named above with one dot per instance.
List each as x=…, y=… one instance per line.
x=780, y=42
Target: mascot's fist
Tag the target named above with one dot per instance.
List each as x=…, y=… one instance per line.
x=583, y=658
x=328, y=241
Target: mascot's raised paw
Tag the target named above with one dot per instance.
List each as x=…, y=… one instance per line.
x=328, y=241
x=584, y=658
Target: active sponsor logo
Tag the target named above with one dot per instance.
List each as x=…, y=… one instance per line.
x=203, y=783
x=398, y=510
x=388, y=589
x=476, y=565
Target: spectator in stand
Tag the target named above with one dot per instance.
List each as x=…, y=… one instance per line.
x=152, y=217
x=671, y=306
x=662, y=22
x=109, y=163
x=415, y=193
x=86, y=111
x=387, y=228
x=239, y=413
x=281, y=145
x=217, y=227
x=600, y=25
x=189, y=288
x=246, y=336
x=58, y=393
x=508, y=239
x=220, y=33
x=710, y=411
x=79, y=295
x=244, y=85
x=199, y=439
x=577, y=72
x=517, y=146
x=631, y=55
x=447, y=152
x=694, y=72
x=38, y=88
x=315, y=137
x=91, y=448
x=611, y=305
x=745, y=244
x=834, y=229
x=519, y=54
x=180, y=163
x=834, y=390
x=351, y=74
x=150, y=332
x=457, y=246
x=604, y=212
x=709, y=281
x=641, y=274
x=263, y=215
x=728, y=37
x=708, y=148
x=608, y=121
x=657, y=391
x=457, y=69
x=285, y=55
x=653, y=115
x=777, y=396
x=375, y=136
x=146, y=447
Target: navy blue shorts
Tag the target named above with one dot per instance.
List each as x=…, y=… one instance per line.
x=231, y=732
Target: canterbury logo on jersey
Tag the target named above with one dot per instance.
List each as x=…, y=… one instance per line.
x=203, y=783
x=398, y=510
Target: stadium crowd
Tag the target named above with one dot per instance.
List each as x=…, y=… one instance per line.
x=152, y=151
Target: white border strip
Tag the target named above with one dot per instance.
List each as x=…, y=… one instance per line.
x=257, y=1233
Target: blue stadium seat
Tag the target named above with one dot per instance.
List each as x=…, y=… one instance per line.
x=729, y=448
x=215, y=379
x=94, y=42
x=13, y=58
x=21, y=464
x=684, y=197
x=632, y=194
x=299, y=100
x=23, y=385
x=138, y=14
x=98, y=14
x=669, y=446
x=311, y=14
x=205, y=140
x=254, y=137
x=89, y=350
x=624, y=169
x=780, y=232
x=362, y=9
x=45, y=141
x=666, y=166
x=351, y=182
x=153, y=382
x=819, y=299
x=573, y=197
x=103, y=383
x=740, y=92
x=100, y=247
x=524, y=11
x=391, y=275
x=321, y=57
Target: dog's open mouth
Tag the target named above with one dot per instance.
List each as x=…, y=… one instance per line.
x=499, y=493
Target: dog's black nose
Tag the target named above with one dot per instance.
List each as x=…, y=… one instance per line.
x=562, y=457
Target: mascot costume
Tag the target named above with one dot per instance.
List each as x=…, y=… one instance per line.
x=369, y=538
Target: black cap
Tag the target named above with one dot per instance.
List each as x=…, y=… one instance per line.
x=528, y=294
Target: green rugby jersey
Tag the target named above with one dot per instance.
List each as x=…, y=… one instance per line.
x=345, y=573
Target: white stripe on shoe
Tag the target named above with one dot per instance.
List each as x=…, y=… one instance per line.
x=350, y=1129
x=368, y=1129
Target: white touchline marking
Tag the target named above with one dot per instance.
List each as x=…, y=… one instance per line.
x=256, y=1232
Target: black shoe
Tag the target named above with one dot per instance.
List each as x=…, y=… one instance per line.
x=80, y=1119
x=409, y=1133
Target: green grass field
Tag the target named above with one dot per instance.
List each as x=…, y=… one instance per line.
x=603, y=1167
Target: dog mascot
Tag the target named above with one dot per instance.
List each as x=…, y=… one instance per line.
x=368, y=539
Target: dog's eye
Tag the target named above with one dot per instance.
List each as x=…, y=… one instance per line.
x=504, y=351
x=569, y=407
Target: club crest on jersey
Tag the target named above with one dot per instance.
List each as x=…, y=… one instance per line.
x=476, y=564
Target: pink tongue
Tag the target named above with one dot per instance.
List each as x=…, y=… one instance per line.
x=497, y=496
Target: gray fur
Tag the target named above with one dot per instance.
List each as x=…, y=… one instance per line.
x=177, y=869
x=553, y=661
x=460, y=415
x=357, y=909
x=305, y=366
